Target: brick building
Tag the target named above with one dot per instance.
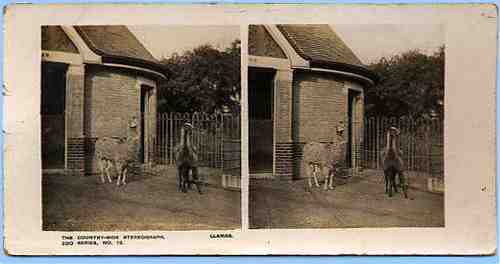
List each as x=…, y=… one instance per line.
x=96, y=81
x=305, y=84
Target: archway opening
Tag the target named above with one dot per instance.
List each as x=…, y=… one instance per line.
x=353, y=128
x=52, y=110
x=261, y=119
x=146, y=123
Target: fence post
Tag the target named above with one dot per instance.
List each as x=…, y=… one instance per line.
x=165, y=138
x=377, y=146
x=220, y=136
x=170, y=128
x=223, y=124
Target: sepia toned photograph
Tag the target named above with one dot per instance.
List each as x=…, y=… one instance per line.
x=346, y=126
x=140, y=128
x=203, y=129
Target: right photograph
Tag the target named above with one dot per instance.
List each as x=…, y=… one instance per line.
x=346, y=125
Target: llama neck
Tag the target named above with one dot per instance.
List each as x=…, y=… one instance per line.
x=185, y=139
x=388, y=142
x=391, y=147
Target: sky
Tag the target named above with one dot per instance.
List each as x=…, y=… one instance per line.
x=368, y=42
x=371, y=42
x=163, y=41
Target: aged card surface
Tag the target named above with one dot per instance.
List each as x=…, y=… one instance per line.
x=250, y=129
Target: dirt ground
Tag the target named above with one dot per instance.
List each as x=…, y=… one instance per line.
x=80, y=203
x=360, y=202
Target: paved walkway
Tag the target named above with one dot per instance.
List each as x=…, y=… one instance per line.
x=76, y=203
x=361, y=202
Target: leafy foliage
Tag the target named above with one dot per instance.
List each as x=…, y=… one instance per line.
x=202, y=80
x=411, y=83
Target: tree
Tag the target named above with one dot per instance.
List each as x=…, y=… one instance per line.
x=411, y=83
x=202, y=80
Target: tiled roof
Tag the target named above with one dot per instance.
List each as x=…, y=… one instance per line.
x=318, y=43
x=119, y=44
x=323, y=48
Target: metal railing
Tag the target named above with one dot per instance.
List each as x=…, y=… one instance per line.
x=421, y=142
x=215, y=136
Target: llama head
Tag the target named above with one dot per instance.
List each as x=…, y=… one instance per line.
x=186, y=131
x=188, y=128
x=340, y=129
x=393, y=132
x=392, y=135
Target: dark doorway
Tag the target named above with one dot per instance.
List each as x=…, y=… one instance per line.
x=261, y=119
x=146, y=122
x=352, y=125
x=52, y=110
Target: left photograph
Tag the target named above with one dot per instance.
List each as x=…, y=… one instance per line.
x=140, y=128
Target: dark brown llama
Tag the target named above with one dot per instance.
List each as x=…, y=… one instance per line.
x=392, y=163
x=186, y=158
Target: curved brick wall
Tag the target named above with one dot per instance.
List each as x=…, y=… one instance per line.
x=112, y=100
x=319, y=103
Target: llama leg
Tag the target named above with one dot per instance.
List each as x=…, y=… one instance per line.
x=185, y=179
x=179, y=179
x=182, y=178
x=332, y=178
x=390, y=190
x=331, y=175
x=195, y=179
x=108, y=172
x=386, y=181
x=326, y=174
x=394, y=184
x=124, y=175
x=309, y=172
x=404, y=184
x=180, y=172
x=101, y=170
x=391, y=182
x=119, y=173
x=315, y=178
x=105, y=169
x=118, y=177
x=315, y=173
x=190, y=178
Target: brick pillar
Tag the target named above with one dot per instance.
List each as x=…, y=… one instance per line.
x=283, y=146
x=75, y=143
